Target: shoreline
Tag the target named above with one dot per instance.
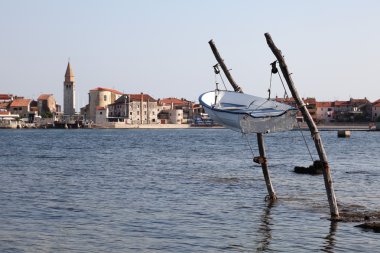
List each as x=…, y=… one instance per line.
x=302, y=126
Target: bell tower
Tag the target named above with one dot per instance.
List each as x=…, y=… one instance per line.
x=69, y=92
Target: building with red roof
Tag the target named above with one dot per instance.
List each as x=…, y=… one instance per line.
x=6, y=98
x=325, y=111
x=100, y=97
x=135, y=109
x=352, y=110
x=21, y=107
x=46, y=104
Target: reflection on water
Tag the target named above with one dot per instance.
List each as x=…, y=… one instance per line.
x=264, y=229
x=330, y=238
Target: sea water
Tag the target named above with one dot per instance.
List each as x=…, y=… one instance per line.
x=193, y=190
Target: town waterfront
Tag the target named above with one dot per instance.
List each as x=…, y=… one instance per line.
x=179, y=190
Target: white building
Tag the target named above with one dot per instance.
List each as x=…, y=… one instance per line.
x=325, y=111
x=101, y=115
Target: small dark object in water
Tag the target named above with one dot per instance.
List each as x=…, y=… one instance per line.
x=314, y=169
x=344, y=133
x=375, y=226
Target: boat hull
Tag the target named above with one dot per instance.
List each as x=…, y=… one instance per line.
x=246, y=113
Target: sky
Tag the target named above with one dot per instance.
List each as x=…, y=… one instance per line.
x=160, y=47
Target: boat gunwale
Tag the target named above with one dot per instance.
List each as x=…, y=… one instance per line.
x=241, y=113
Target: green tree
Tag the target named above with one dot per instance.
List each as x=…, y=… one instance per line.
x=47, y=115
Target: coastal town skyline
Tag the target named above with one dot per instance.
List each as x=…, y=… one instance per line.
x=70, y=76
x=161, y=47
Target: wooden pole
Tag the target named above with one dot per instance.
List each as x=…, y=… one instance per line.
x=264, y=166
x=313, y=129
x=224, y=67
x=260, y=139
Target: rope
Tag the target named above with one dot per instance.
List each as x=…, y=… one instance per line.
x=249, y=144
x=222, y=81
x=304, y=139
x=274, y=70
x=285, y=93
x=217, y=71
x=270, y=85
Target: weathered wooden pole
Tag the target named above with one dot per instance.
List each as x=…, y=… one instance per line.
x=313, y=129
x=264, y=166
x=260, y=139
x=224, y=67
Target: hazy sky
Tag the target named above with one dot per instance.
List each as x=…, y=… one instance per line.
x=161, y=47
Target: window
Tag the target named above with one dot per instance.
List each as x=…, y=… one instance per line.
x=130, y=113
x=138, y=112
x=105, y=97
x=100, y=113
x=144, y=112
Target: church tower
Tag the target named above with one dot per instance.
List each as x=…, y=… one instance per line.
x=69, y=92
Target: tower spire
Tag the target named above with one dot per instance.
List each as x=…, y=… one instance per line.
x=69, y=75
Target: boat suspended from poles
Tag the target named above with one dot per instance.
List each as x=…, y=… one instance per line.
x=246, y=113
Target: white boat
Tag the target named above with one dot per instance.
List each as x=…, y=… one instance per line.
x=246, y=113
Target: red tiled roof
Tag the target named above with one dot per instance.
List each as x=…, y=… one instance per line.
x=174, y=101
x=341, y=103
x=5, y=96
x=100, y=108
x=377, y=101
x=44, y=96
x=137, y=97
x=107, y=89
x=310, y=100
x=324, y=104
x=4, y=105
x=4, y=113
x=20, y=102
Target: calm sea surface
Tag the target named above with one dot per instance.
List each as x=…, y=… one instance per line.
x=194, y=190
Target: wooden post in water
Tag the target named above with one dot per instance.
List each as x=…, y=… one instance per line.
x=313, y=129
x=264, y=166
x=260, y=139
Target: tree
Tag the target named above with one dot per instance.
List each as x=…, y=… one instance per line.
x=47, y=115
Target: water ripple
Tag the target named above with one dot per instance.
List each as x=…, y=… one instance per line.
x=179, y=191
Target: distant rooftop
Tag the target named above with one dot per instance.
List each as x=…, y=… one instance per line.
x=44, y=96
x=20, y=102
x=137, y=97
x=107, y=89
